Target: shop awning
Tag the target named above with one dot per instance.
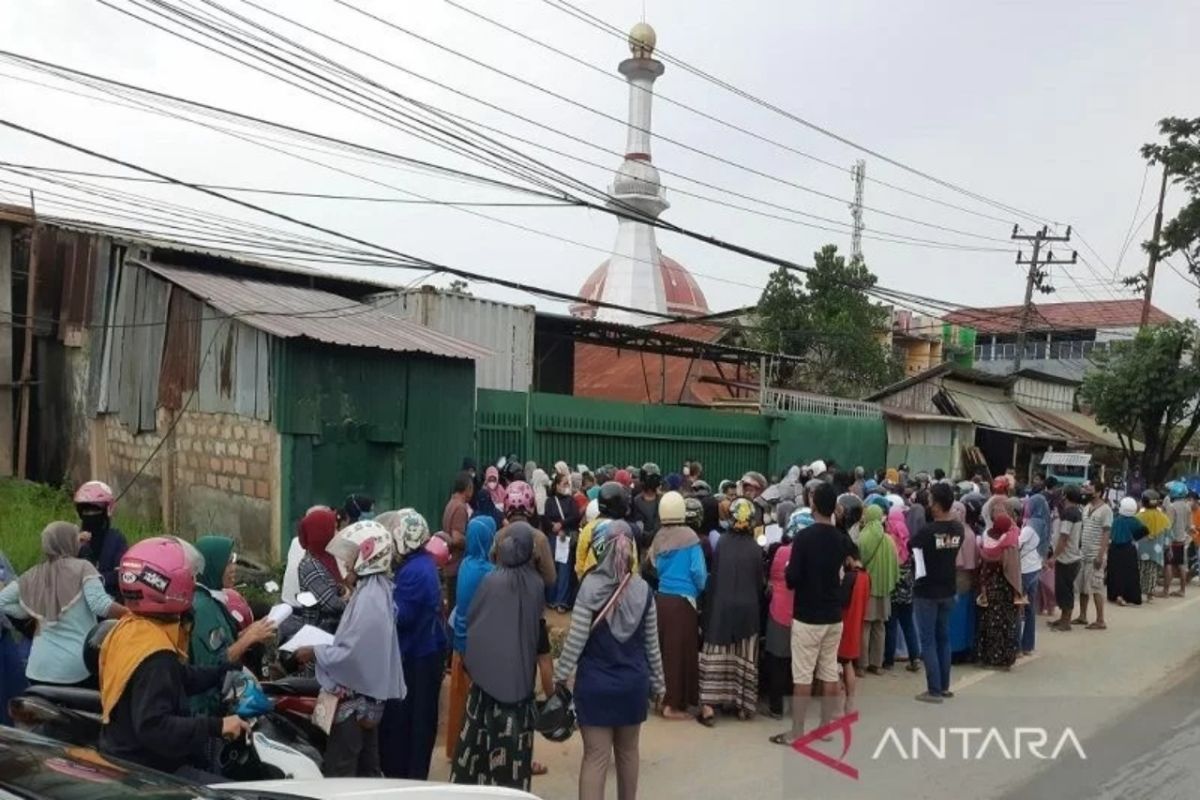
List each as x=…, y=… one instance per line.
x=1076, y=427
x=990, y=407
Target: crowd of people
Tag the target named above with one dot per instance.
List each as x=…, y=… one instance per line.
x=693, y=602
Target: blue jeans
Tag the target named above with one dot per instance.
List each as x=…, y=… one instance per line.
x=560, y=594
x=933, y=621
x=901, y=621
x=1025, y=632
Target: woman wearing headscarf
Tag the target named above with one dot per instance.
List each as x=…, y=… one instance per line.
x=999, y=591
x=612, y=647
x=101, y=544
x=560, y=523
x=1151, y=546
x=678, y=559
x=1124, y=586
x=901, y=620
x=541, y=490
x=495, y=746
x=12, y=663
x=319, y=572
x=489, y=498
x=778, y=641
x=729, y=659
x=481, y=532
x=408, y=729
x=877, y=552
x=362, y=667
x=215, y=639
x=65, y=595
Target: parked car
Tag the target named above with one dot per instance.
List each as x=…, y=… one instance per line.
x=36, y=768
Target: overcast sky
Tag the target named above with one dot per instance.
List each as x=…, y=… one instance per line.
x=1042, y=106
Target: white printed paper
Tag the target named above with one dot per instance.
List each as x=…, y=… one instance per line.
x=308, y=636
x=279, y=614
x=306, y=599
x=562, y=549
x=918, y=563
x=324, y=711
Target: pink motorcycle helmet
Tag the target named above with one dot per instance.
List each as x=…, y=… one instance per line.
x=156, y=577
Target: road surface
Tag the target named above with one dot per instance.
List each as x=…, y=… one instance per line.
x=1130, y=697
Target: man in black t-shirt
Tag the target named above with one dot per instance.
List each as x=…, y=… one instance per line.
x=814, y=573
x=935, y=550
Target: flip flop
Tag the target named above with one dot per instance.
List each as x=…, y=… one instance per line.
x=784, y=739
x=1097, y=626
x=709, y=721
x=1078, y=621
x=538, y=768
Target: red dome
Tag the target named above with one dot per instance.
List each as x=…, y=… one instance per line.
x=684, y=296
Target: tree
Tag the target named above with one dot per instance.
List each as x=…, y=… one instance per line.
x=1180, y=156
x=1146, y=391
x=459, y=286
x=831, y=323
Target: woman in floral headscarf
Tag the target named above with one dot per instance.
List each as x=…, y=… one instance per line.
x=409, y=728
x=729, y=660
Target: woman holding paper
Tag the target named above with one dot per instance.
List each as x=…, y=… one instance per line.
x=361, y=670
x=319, y=574
x=214, y=638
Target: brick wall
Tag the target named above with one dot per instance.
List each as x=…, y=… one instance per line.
x=217, y=473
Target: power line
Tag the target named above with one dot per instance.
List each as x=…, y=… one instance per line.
x=563, y=98
x=713, y=118
x=571, y=10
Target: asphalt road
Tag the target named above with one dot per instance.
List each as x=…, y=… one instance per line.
x=1130, y=695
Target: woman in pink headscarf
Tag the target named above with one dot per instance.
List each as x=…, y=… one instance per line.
x=901, y=620
x=999, y=592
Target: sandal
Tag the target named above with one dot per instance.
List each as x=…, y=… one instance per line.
x=1097, y=626
x=914, y=665
x=709, y=722
x=784, y=739
x=1079, y=621
x=538, y=768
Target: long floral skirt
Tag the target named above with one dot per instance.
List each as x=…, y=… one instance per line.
x=1149, y=573
x=998, y=620
x=729, y=675
x=495, y=747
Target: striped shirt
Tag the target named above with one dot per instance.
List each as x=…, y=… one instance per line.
x=1096, y=520
x=577, y=638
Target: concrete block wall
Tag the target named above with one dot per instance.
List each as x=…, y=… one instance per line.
x=217, y=473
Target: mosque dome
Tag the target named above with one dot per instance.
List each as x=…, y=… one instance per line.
x=684, y=296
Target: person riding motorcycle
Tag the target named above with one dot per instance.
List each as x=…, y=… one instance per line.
x=145, y=679
x=100, y=543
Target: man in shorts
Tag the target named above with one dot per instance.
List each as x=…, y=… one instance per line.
x=1066, y=555
x=814, y=575
x=1179, y=511
x=1089, y=583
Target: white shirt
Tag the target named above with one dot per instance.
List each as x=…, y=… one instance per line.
x=1031, y=560
x=291, y=573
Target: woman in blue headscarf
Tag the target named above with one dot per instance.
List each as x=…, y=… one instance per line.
x=481, y=533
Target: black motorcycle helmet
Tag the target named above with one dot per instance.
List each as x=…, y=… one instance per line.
x=649, y=477
x=556, y=717
x=613, y=501
x=605, y=474
x=695, y=513
x=513, y=471
x=93, y=643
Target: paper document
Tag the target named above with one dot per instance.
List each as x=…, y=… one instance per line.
x=308, y=636
x=279, y=614
x=918, y=563
x=306, y=599
x=562, y=549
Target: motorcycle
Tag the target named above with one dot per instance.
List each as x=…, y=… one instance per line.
x=276, y=747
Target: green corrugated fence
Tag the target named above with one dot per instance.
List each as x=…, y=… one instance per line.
x=550, y=427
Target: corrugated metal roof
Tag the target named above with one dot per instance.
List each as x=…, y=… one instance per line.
x=295, y=311
x=1079, y=427
x=987, y=406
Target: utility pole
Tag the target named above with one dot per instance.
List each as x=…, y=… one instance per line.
x=858, y=173
x=1038, y=273
x=1162, y=194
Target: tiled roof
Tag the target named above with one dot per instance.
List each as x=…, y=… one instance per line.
x=1086, y=315
x=684, y=296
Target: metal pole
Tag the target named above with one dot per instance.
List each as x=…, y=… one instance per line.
x=27, y=355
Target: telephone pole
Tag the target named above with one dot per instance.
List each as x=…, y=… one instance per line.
x=1037, y=277
x=858, y=173
x=1162, y=194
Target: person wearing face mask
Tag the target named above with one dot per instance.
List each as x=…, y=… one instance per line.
x=101, y=543
x=560, y=523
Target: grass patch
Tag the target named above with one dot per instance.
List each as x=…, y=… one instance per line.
x=29, y=507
